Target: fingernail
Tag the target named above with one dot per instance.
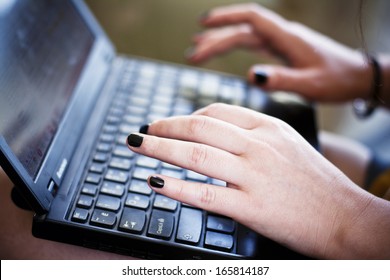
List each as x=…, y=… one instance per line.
x=134, y=140
x=156, y=182
x=144, y=129
x=261, y=77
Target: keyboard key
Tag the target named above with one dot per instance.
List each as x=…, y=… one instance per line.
x=123, y=151
x=97, y=168
x=105, y=137
x=142, y=173
x=139, y=186
x=219, y=241
x=120, y=163
x=112, y=188
x=172, y=173
x=80, y=215
x=93, y=178
x=117, y=176
x=137, y=201
x=89, y=189
x=190, y=225
x=100, y=157
x=148, y=162
x=133, y=220
x=222, y=224
x=103, y=147
x=103, y=218
x=191, y=175
x=108, y=202
x=85, y=201
x=165, y=203
x=161, y=224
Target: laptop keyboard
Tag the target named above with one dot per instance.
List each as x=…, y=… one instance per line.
x=114, y=193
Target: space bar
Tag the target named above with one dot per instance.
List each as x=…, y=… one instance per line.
x=190, y=225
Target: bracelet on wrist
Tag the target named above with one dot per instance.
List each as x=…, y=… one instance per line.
x=365, y=107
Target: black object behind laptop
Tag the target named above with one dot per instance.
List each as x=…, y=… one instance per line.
x=67, y=105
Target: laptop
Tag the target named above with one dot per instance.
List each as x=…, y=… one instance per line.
x=68, y=102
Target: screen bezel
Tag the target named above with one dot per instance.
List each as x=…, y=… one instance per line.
x=86, y=92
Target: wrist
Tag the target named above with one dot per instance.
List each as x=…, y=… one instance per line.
x=364, y=228
x=364, y=107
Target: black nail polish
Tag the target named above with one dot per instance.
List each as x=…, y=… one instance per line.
x=134, y=140
x=156, y=182
x=261, y=77
x=144, y=129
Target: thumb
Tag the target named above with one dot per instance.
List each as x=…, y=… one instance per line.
x=275, y=77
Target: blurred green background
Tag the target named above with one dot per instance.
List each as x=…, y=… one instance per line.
x=162, y=29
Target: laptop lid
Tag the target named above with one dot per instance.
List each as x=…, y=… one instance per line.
x=53, y=61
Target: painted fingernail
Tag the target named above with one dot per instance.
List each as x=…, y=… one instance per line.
x=134, y=140
x=144, y=129
x=261, y=77
x=156, y=182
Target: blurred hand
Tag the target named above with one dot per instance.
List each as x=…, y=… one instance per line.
x=277, y=184
x=318, y=68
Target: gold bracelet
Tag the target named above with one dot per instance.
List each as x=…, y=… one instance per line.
x=365, y=107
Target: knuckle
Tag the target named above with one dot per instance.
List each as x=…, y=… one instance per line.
x=196, y=125
x=211, y=109
x=197, y=155
x=207, y=195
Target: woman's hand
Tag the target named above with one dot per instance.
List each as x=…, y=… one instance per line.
x=318, y=68
x=277, y=184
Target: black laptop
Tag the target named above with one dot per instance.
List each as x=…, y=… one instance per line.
x=67, y=104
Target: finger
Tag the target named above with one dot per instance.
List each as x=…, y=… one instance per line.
x=221, y=40
x=264, y=21
x=202, y=129
x=274, y=77
x=201, y=158
x=220, y=200
x=236, y=115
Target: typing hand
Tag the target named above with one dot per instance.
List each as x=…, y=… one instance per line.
x=316, y=67
x=277, y=184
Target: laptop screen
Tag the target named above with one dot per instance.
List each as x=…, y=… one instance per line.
x=43, y=47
